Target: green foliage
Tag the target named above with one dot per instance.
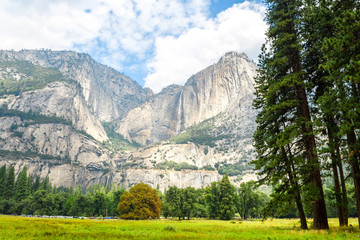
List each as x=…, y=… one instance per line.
x=226, y=199
x=30, y=77
x=2, y=179
x=9, y=190
x=140, y=202
x=249, y=202
x=175, y=166
x=200, y=134
x=173, y=202
x=212, y=198
x=232, y=169
x=116, y=141
x=32, y=117
x=208, y=168
x=21, y=187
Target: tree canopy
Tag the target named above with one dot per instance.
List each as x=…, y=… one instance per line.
x=140, y=202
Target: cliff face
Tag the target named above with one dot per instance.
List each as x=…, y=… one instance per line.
x=63, y=100
x=219, y=88
x=50, y=121
x=108, y=93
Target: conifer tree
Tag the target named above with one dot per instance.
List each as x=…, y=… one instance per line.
x=284, y=105
x=2, y=179
x=342, y=62
x=317, y=25
x=9, y=189
x=212, y=199
x=226, y=198
x=21, y=191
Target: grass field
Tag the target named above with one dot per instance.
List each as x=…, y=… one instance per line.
x=12, y=227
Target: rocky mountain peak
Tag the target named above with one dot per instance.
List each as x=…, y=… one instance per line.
x=108, y=93
x=231, y=56
x=206, y=94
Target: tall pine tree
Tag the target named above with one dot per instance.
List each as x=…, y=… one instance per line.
x=226, y=198
x=284, y=95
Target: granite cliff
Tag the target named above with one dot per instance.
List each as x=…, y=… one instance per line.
x=78, y=122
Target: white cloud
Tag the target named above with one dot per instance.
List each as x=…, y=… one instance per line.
x=176, y=37
x=240, y=28
x=117, y=32
x=44, y=24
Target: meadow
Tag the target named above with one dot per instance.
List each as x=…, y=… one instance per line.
x=13, y=227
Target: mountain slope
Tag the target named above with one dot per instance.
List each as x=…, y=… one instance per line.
x=108, y=93
x=217, y=89
x=53, y=106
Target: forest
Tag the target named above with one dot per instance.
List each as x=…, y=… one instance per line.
x=308, y=97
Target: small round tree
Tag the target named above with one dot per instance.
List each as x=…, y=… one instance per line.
x=140, y=202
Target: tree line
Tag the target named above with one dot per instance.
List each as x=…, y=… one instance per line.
x=308, y=98
x=29, y=195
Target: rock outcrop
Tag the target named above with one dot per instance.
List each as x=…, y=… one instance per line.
x=108, y=93
x=190, y=133
x=219, y=88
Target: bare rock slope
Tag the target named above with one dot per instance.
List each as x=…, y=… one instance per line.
x=219, y=88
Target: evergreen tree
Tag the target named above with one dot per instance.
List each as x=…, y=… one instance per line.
x=173, y=202
x=226, y=198
x=342, y=62
x=9, y=189
x=189, y=202
x=2, y=180
x=282, y=98
x=318, y=24
x=212, y=199
x=21, y=191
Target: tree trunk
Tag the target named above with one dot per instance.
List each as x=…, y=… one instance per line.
x=319, y=207
x=295, y=188
x=344, y=192
x=354, y=163
x=333, y=144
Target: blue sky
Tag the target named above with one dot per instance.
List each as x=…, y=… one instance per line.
x=155, y=42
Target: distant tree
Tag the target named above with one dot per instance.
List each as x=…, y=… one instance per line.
x=100, y=204
x=248, y=201
x=114, y=201
x=9, y=189
x=173, y=202
x=21, y=189
x=212, y=199
x=189, y=202
x=226, y=199
x=2, y=179
x=140, y=202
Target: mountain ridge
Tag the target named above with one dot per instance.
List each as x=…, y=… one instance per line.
x=200, y=130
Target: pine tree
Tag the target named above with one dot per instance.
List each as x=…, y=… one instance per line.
x=317, y=25
x=2, y=180
x=212, y=199
x=9, y=190
x=173, y=202
x=21, y=191
x=226, y=198
x=282, y=96
x=342, y=62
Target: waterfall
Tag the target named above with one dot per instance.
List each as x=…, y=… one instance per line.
x=178, y=124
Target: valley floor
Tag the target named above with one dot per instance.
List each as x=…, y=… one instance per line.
x=12, y=227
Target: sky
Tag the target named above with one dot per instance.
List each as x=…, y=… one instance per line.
x=154, y=42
